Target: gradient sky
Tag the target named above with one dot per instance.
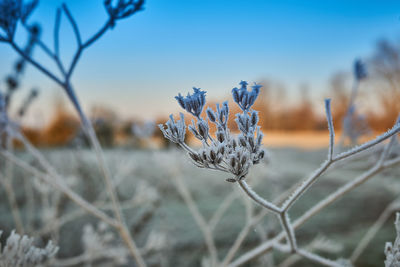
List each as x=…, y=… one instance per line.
x=171, y=46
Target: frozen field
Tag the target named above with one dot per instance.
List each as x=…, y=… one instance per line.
x=163, y=211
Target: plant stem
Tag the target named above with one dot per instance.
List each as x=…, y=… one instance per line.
x=259, y=200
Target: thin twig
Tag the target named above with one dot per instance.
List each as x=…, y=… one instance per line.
x=259, y=200
x=290, y=235
x=73, y=24
x=330, y=128
x=267, y=246
x=62, y=187
x=36, y=64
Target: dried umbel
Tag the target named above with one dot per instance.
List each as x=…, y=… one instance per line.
x=245, y=99
x=20, y=251
x=122, y=8
x=224, y=152
x=193, y=103
x=11, y=11
x=392, y=251
x=175, y=131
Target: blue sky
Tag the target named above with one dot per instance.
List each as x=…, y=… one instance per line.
x=171, y=46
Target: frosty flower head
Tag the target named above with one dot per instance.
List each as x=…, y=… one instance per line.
x=201, y=131
x=221, y=151
x=193, y=103
x=20, y=251
x=122, y=8
x=245, y=99
x=10, y=13
x=392, y=250
x=220, y=118
x=175, y=131
x=360, y=70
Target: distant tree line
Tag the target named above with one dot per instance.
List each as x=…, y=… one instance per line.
x=281, y=114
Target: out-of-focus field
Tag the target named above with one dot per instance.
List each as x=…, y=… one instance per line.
x=303, y=139
x=346, y=221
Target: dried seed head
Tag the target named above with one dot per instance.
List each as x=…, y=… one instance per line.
x=251, y=142
x=175, y=131
x=242, y=141
x=220, y=136
x=221, y=149
x=193, y=103
x=204, y=155
x=244, y=159
x=195, y=157
x=213, y=155
x=121, y=9
x=225, y=152
x=232, y=162
x=234, y=144
x=254, y=118
x=245, y=99
x=259, y=138
x=203, y=129
x=211, y=115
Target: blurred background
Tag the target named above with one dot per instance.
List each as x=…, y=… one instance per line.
x=301, y=52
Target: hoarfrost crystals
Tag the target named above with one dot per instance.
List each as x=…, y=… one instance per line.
x=193, y=103
x=224, y=152
x=392, y=251
x=19, y=251
x=245, y=99
x=175, y=131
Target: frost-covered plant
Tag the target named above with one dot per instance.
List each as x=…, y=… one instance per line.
x=14, y=13
x=235, y=155
x=224, y=152
x=392, y=250
x=20, y=251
